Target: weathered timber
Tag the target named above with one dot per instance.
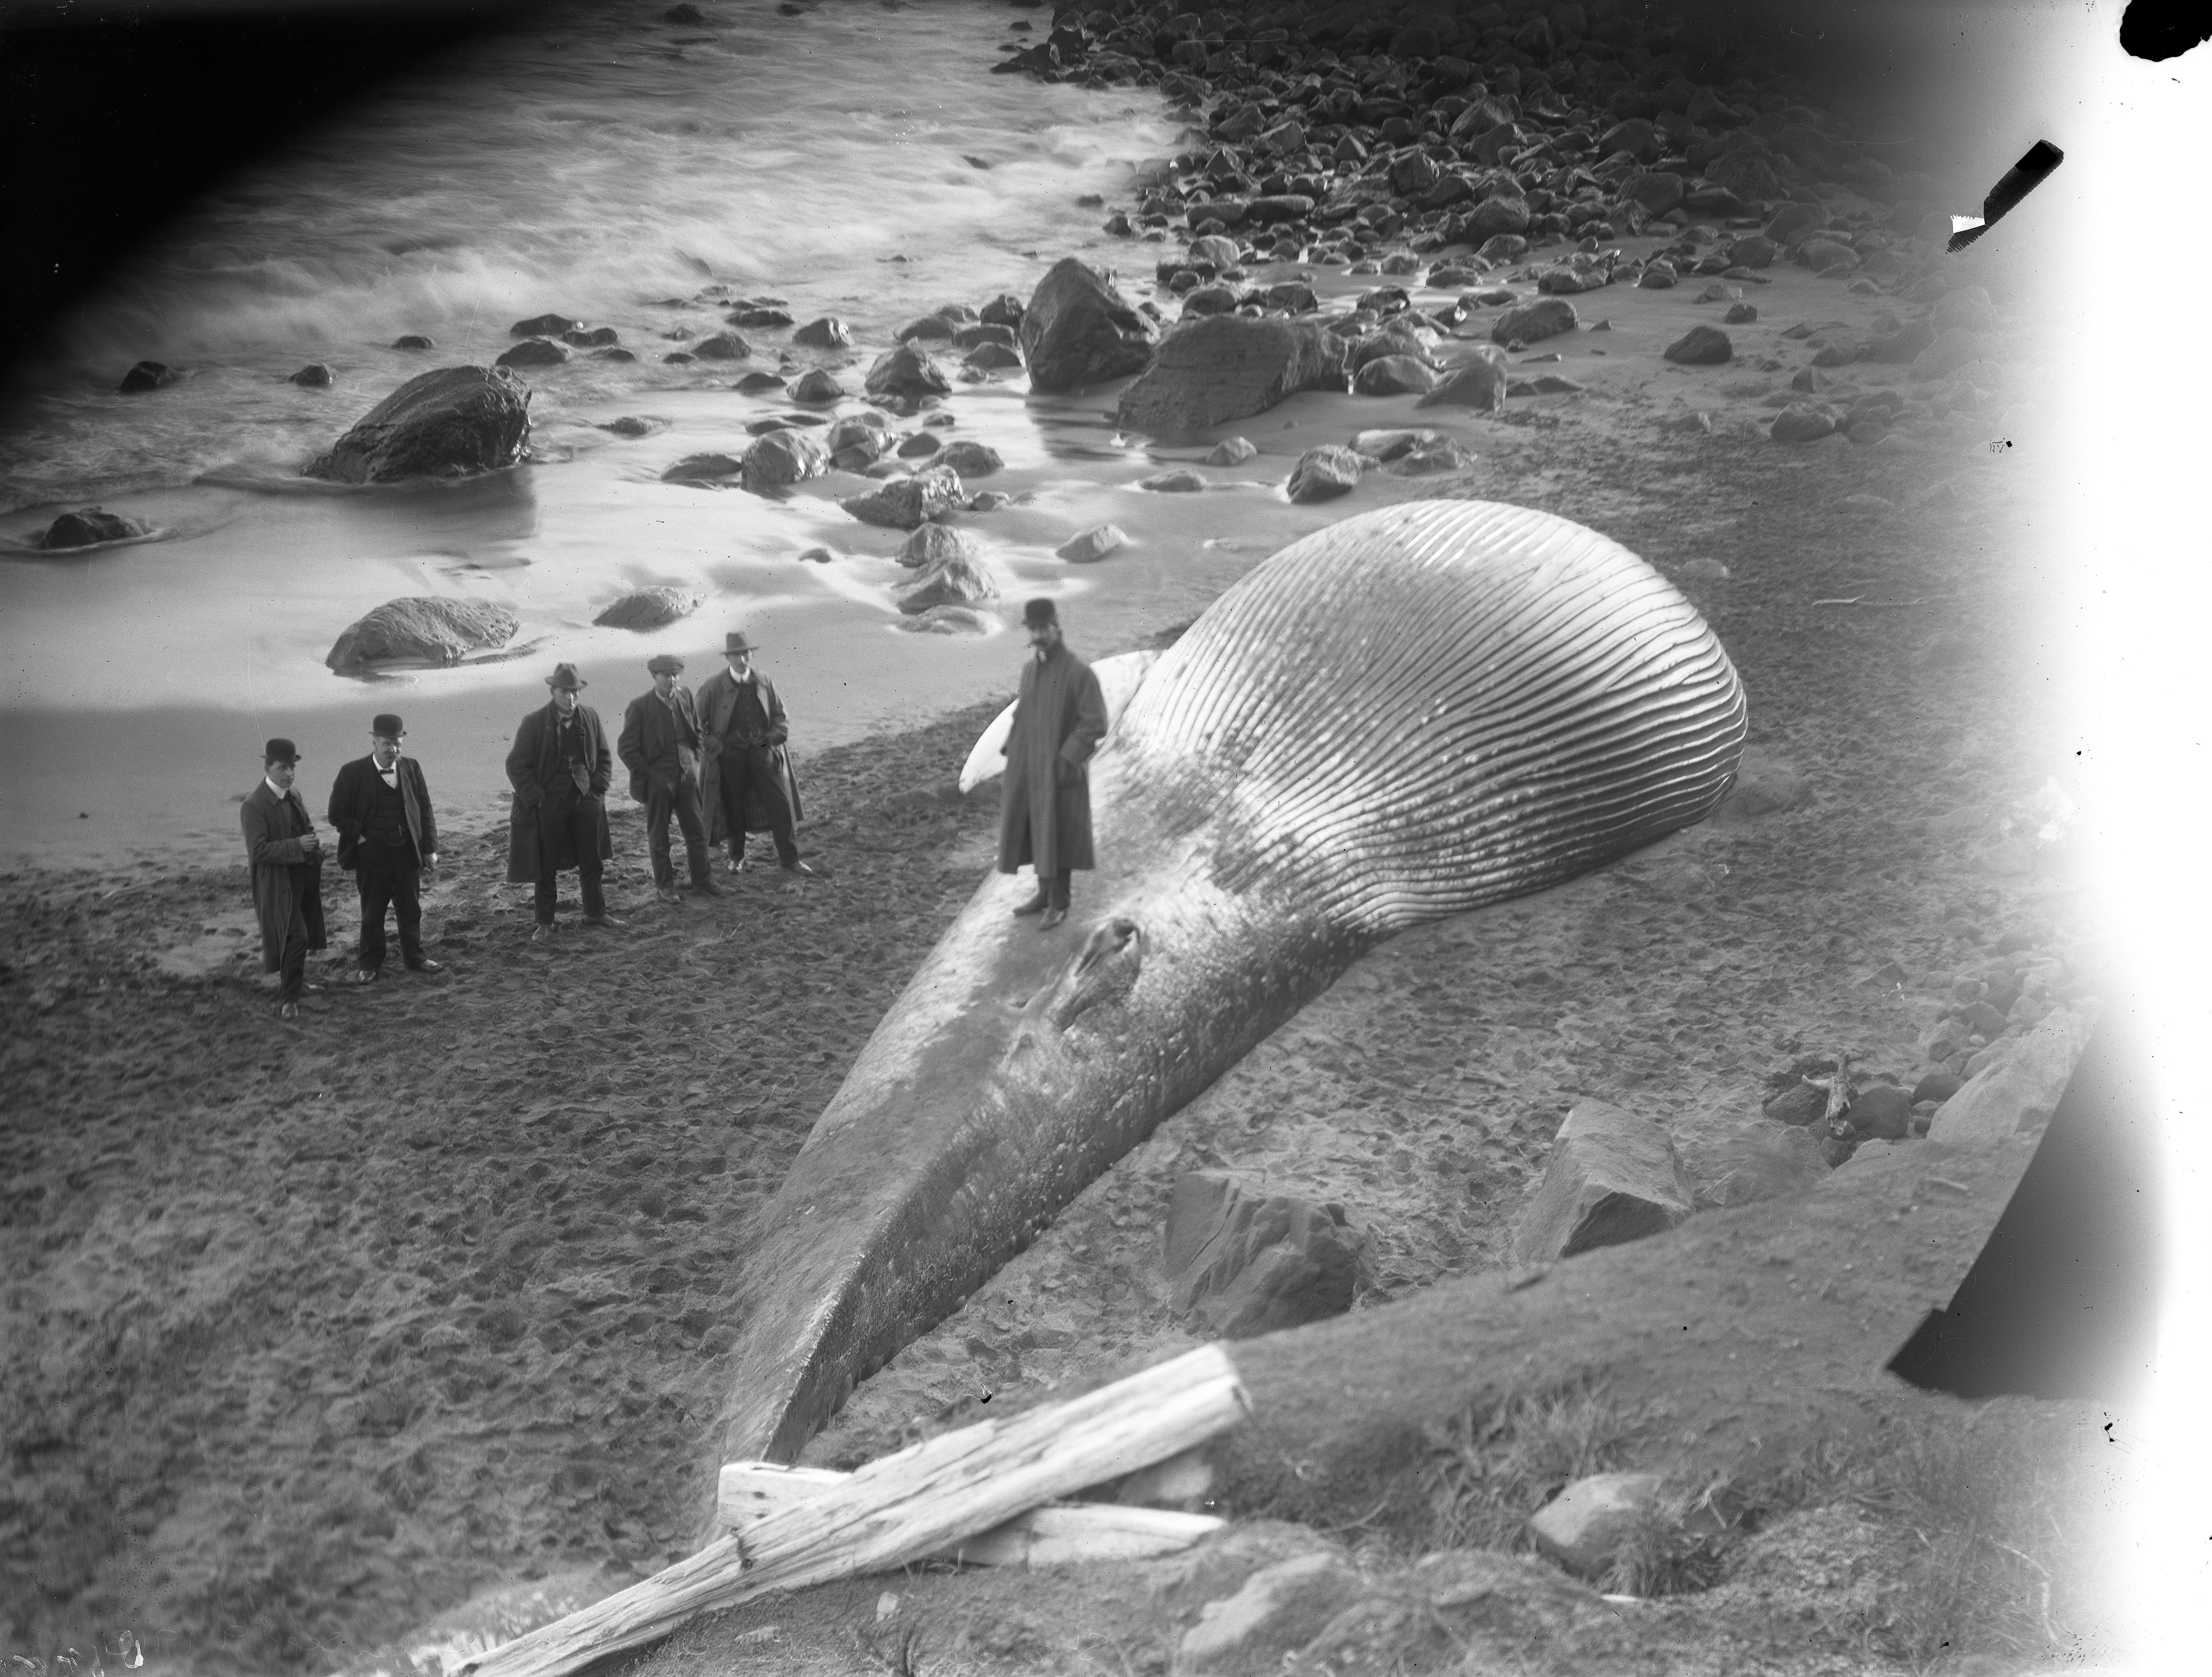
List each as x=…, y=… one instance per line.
x=921, y=1502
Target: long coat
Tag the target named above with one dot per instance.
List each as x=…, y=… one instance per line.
x=650, y=745
x=726, y=724
x=353, y=800
x=285, y=875
x=534, y=768
x=1044, y=815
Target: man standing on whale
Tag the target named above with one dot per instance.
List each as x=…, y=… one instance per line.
x=1044, y=815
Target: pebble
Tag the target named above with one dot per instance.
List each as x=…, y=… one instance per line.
x=1742, y=314
x=314, y=375
x=1323, y=473
x=1232, y=451
x=1092, y=544
x=1701, y=346
x=536, y=352
x=413, y=341
x=1184, y=480
x=1798, y=423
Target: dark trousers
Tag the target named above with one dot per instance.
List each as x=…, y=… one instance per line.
x=387, y=876
x=754, y=766
x=574, y=820
x=292, y=963
x=681, y=801
x=1056, y=887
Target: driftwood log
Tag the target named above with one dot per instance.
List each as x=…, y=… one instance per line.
x=921, y=1502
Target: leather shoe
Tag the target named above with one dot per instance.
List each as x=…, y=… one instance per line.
x=1035, y=905
x=288, y=1010
x=426, y=964
x=362, y=976
x=737, y=864
x=706, y=886
x=799, y=867
x=606, y=922
x=542, y=933
x=1052, y=918
x=669, y=894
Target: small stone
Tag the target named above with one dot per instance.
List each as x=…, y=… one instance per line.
x=1232, y=451
x=1796, y=423
x=590, y=337
x=648, y=609
x=828, y=332
x=1279, y=1609
x=1547, y=317
x=1393, y=375
x=1742, y=314
x=906, y=503
x=1613, y=1178
x=413, y=341
x=1092, y=544
x=1938, y=1086
x=1800, y=1103
x=754, y=382
x=1240, y=1262
x=1655, y=277
x=1707, y=570
x=907, y=371
x=934, y=544
x=1181, y=481
x=1479, y=385
x=1701, y=346
x=314, y=375
x=969, y=458
x=89, y=528
x=1583, y=1527
x=534, y=352
x=920, y=446
x=1323, y=473
x=543, y=325
x=818, y=387
x=1882, y=1111
x=722, y=346
x=701, y=469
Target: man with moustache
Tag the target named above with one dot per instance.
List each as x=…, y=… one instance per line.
x=561, y=768
x=743, y=728
x=1045, y=812
x=285, y=857
x=659, y=747
x=387, y=840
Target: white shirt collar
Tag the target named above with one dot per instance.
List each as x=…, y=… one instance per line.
x=281, y=794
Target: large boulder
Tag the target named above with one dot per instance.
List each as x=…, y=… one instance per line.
x=907, y=371
x=648, y=607
x=1241, y=1261
x=1613, y=1177
x=1078, y=330
x=448, y=423
x=2019, y=1092
x=423, y=631
x=88, y=527
x=905, y=503
x=1229, y=366
x=784, y=458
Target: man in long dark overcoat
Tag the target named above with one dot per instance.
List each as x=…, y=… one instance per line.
x=1044, y=817
x=285, y=855
x=745, y=779
x=561, y=768
x=659, y=747
x=387, y=840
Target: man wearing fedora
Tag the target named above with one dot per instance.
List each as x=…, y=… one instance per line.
x=387, y=839
x=659, y=747
x=561, y=769
x=746, y=768
x=285, y=857
x=1045, y=812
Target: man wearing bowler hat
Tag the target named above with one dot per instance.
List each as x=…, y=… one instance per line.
x=286, y=858
x=743, y=730
x=659, y=747
x=387, y=839
x=561, y=768
x=1044, y=812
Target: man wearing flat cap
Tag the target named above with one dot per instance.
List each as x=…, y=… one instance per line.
x=387, y=839
x=561, y=768
x=1044, y=814
x=285, y=856
x=745, y=779
x=659, y=747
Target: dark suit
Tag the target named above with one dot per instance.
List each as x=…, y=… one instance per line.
x=659, y=747
x=556, y=824
x=745, y=729
x=288, y=889
x=384, y=856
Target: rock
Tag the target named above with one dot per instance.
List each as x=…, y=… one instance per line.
x=1503, y=247
x=828, y=332
x=413, y=341
x=1655, y=277
x=971, y=459
x=1742, y=314
x=818, y=387
x=1493, y=215
x=1003, y=310
x=1240, y=1262
x=921, y=446
x=949, y=620
x=1936, y=1086
x=1323, y=473
x=1701, y=346
x=987, y=358
x=975, y=335
x=1882, y=1111
x=1903, y=345
x=757, y=381
x=1754, y=251
x=907, y=371
x=1279, y=1609
x=1232, y=451
x=1824, y=255
x=1657, y=190
x=1800, y=1103
x=1706, y=570
x=1794, y=218
x=1393, y=375
x=1184, y=480
x=758, y=316
x=448, y=423
x=1479, y=385
x=722, y=346
x=1389, y=445
x=1209, y=300
x=648, y=607
x=534, y=352
x=1547, y=317
x=313, y=376
x=543, y=325
x=1092, y=544
x=1583, y=1527
x=959, y=578
x=423, y=631
x=1226, y=368
x=1441, y=455
x=933, y=327
x=1613, y=1178
x=1079, y=331
x=784, y=458
x=590, y=337
x=934, y=544
x=906, y=503
x=147, y=375
x=2019, y=1092
x=1798, y=423
x=701, y=469
x=88, y=527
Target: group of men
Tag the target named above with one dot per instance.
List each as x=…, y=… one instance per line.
x=714, y=763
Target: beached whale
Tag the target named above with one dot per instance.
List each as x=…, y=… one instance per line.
x=1410, y=713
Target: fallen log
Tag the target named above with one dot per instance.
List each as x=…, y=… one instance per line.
x=1057, y=1534
x=921, y=1502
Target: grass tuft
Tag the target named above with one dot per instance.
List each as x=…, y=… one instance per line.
x=1488, y=1469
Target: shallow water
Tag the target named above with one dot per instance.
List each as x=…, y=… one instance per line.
x=861, y=161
